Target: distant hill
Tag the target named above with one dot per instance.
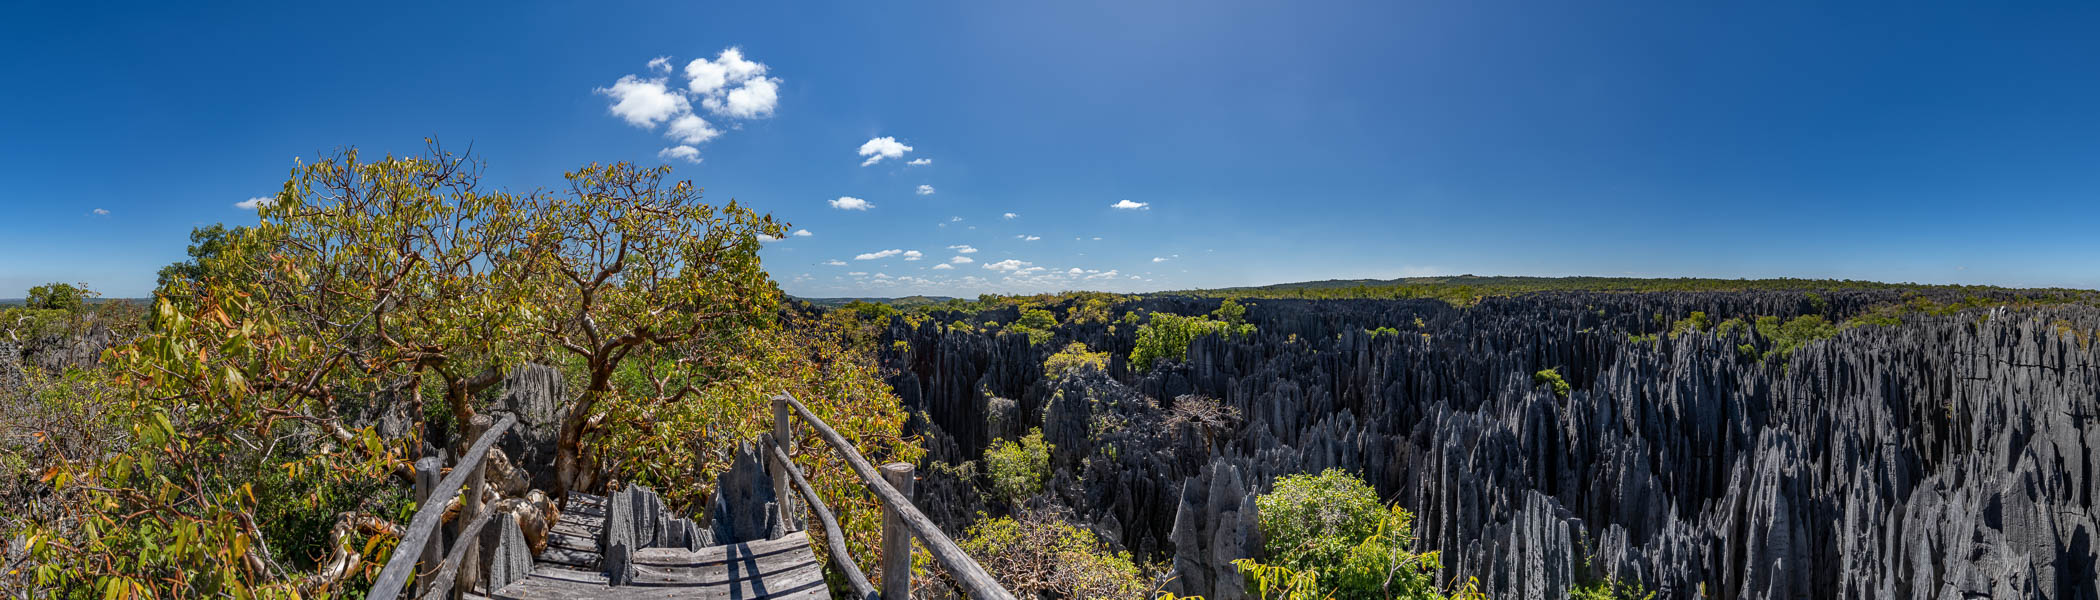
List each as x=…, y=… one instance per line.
x=904, y=302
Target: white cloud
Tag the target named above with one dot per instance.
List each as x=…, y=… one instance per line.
x=691, y=129
x=835, y=262
x=685, y=153
x=753, y=100
x=1007, y=265
x=954, y=219
x=1109, y=274
x=962, y=260
x=1128, y=205
x=880, y=148
x=927, y=190
x=920, y=161
x=857, y=273
x=1075, y=271
x=879, y=254
x=963, y=249
x=943, y=267
x=644, y=102
x=1011, y=216
x=254, y=203
x=1028, y=238
x=851, y=203
x=768, y=238
x=912, y=255
x=660, y=64
x=803, y=233
x=1159, y=259
x=711, y=77
x=100, y=212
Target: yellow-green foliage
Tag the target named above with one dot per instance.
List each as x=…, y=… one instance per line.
x=1038, y=556
x=397, y=281
x=1036, y=323
x=1697, y=322
x=1792, y=334
x=828, y=363
x=1610, y=589
x=1329, y=537
x=1018, y=469
x=1073, y=357
x=1168, y=335
x=1551, y=377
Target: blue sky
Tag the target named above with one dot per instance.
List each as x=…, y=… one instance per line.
x=1266, y=142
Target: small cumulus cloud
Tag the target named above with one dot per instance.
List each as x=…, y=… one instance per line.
x=878, y=254
x=644, y=102
x=835, y=262
x=1011, y=216
x=660, y=64
x=1028, y=238
x=851, y=203
x=920, y=161
x=912, y=255
x=962, y=260
x=684, y=153
x=1008, y=265
x=253, y=203
x=100, y=212
x=943, y=267
x=803, y=233
x=1159, y=259
x=927, y=190
x=1128, y=205
x=691, y=129
x=880, y=148
x=1075, y=271
x=733, y=86
x=963, y=249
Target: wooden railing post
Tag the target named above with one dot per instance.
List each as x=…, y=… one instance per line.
x=896, y=537
x=432, y=554
x=783, y=496
x=470, y=508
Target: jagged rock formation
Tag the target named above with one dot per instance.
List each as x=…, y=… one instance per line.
x=1950, y=456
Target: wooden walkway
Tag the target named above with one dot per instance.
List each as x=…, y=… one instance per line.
x=574, y=567
x=780, y=568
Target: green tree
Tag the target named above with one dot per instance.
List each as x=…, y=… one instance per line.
x=59, y=296
x=1168, y=335
x=1074, y=357
x=1018, y=469
x=1327, y=536
x=205, y=243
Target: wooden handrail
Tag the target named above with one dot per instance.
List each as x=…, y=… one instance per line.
x=974, y=579
x=834, y=536
x=428, y=516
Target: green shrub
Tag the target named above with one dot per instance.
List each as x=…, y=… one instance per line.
x=1230, y=312
x=1695, y=323
x=1382, y=331
x=1788, y=336
x=1551, y=377
x=1036, y=323
x=1329, y=537
x=1072, y=358
x=1018, y=470
x=1038, y=556
x=1610, y=589
x=1168, y=335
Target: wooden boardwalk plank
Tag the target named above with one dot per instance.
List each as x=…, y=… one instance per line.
x=785, y=568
